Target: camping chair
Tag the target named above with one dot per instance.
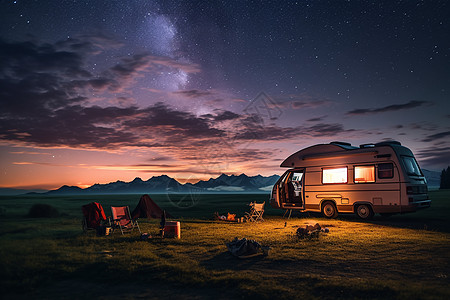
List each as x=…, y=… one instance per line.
x=256, y=212
x=93, y=216
x=121, y=218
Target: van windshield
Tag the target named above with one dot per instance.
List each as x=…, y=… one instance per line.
x=412, y=168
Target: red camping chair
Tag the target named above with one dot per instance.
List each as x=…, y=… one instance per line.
x=93, y=216
x=122, y=219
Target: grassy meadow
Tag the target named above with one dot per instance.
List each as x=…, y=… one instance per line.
x=401, y=257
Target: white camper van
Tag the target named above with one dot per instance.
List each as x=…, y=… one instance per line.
x=340, y=178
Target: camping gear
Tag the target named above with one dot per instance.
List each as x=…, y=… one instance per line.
x=121, y=218
x=310, y=231
x=244, y=248
x=145, y=236
x=146, y=208
x=93, y=216
x=103, y=230
x=225, y=217
x=172, y=229
x=162, y=223
x=256, y=212
x=163, y=219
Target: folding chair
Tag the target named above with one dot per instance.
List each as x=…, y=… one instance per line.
x=256, y=212
x=121, y=218
x=93, y=216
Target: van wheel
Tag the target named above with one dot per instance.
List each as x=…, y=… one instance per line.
x=364, y=211
x=329, y=210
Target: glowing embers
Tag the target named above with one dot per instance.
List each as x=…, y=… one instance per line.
x=335, y=175
x=364, y=174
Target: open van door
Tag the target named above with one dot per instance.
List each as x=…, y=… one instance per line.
x=277, y=197
x=288, y=191
x=294, y=189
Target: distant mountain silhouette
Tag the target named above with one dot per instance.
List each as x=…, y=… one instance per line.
x=241, y=183
x=164, y=183
x=433, y=178
x=15, y=192
x=66, y=190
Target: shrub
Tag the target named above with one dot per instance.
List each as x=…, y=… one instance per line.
x=43, y=211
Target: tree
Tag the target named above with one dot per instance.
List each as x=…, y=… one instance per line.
x=445, y=178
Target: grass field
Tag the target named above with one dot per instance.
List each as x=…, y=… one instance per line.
x=402, y=257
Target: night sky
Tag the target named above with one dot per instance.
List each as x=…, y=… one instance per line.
x=99, y=91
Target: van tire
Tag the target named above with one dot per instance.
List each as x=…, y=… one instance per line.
x=329, y=210
x=364, y=211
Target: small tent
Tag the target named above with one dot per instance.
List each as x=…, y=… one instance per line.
x=146, y=208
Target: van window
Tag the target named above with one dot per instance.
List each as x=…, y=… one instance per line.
x=335, y=175
x=297, y=176
x=412, y=168
x=385, y=171
x=364, y=174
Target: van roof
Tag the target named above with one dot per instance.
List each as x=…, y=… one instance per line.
x=341, y=148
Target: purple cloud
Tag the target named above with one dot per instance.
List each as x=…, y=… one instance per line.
x=193, y=93
x=394, y=107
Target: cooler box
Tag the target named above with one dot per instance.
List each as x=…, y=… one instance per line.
x=172, y=229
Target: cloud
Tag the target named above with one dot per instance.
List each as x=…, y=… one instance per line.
x=44, y=92
x=266, y=188
x=173, y=122
x=21, y=57
x=301, y=101
x=187, y=67
x=436, y=136
x=394, y=107
x=193, y=93
x=226, y=115
x=132, y=65
x=272, y=132
x=89, y=43
x=426, y=126
x=312, y=104
x=110, y=127
x=317, y=119
x=434, y=157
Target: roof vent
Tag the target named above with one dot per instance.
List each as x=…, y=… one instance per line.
x=344, y=145
x=340, y=143
x=370, y=145
x=388, y=143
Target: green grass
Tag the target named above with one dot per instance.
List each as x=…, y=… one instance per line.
x=384, y=258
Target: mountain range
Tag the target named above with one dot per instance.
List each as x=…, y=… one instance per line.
x=163, y=184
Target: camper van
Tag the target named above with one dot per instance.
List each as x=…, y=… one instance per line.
x=337, y=178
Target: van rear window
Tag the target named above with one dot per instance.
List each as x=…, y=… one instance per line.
x=385, y=171
x=336, y=175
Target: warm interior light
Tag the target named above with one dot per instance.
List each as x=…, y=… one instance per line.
x=338, y=175
x=364, y=174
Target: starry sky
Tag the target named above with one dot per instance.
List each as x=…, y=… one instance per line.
x=99, y=91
